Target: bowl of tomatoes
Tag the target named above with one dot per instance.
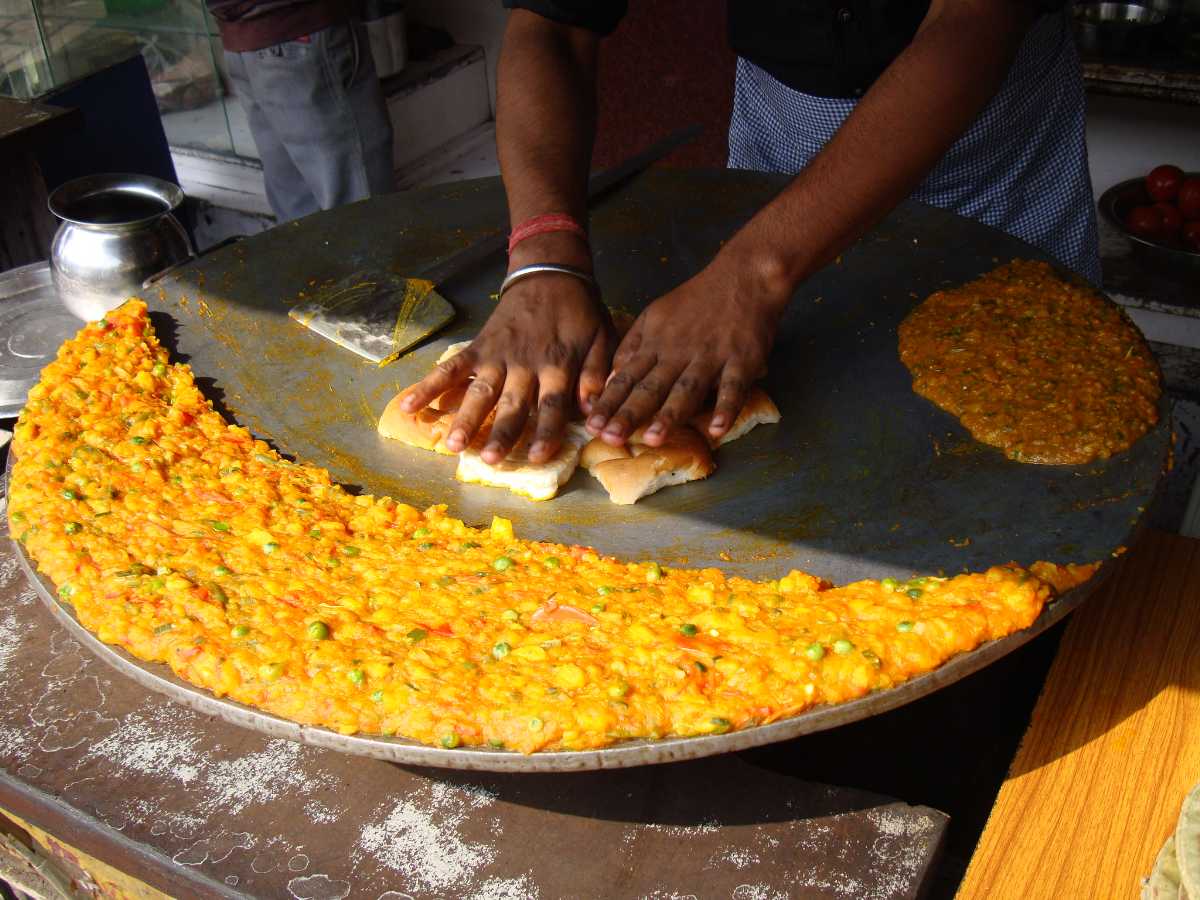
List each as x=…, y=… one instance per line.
x=1160, y=215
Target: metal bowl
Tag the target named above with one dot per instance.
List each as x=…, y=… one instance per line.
x=1117, y=29
x=1115, y=204
x=116, y=231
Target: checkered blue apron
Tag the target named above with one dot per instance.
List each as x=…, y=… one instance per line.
x=1021, y=167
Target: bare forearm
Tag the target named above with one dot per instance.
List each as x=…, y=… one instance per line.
x=545, y=122
x=916, y=110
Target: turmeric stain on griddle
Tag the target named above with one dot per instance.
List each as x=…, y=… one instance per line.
x=1047, y=370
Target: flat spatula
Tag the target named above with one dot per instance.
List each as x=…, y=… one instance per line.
x=379, y=315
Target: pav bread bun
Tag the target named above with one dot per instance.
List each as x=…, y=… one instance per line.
x=759, y=409
x=684, y=456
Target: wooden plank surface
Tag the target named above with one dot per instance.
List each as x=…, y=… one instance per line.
x=1114, y=744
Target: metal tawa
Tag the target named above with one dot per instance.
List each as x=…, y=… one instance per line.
x=861, y=479
x=33, y=323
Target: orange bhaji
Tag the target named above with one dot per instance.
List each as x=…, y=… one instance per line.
x=1046, y=370
x=183, y=539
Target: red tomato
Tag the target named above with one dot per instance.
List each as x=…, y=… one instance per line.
x=1163, y=182
x=1172, y=218
x=1191, y=235
x=1188, y=200
x=1145, y=221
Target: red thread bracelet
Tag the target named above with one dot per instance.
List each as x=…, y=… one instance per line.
x=544, y=224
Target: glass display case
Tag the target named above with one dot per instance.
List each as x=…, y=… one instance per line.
x=47, y=43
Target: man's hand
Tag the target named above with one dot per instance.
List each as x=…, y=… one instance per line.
x=548, y=335
x=714, y=330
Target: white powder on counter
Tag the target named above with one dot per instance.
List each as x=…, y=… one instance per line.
x=231, y=785
x=523, y=888
x=421, y=838
x=155, y=743
x=10, y=634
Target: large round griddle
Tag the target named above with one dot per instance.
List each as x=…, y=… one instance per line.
x=861, y=479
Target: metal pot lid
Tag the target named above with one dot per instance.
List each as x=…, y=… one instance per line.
x=33, y=323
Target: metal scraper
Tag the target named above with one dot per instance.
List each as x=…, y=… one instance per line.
x=379, y=315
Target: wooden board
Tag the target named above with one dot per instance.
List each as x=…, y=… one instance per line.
x=1114, y=744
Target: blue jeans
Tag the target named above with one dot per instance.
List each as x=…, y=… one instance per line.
x=318, y=118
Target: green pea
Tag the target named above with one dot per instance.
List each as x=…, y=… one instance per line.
x=501, y=563
x=240, y=631
x=377, y=696
x=72, y=528
x=904, y=625
x=720, y=725
x=510, y=615
x=66, y=591
x=216, y=525
x=689, y=629
x=222, y=570
x=273, y=671
x=356, y=676
x=316, y=534
x=842, y=646
x=501, y=650
x=535, y=724
x=425, y=545
x=351, y=550
x=450, y=741
x=654, y=572
x=470, y=545
x=159, y=369
x=422, y=532
x=604, y=590
x=137, y=439
x=552, y=562
x=270, y=547
x=815, y=651
x=69, y=494
x=318, y=631
x=599, y=607
x=915, y=593
x=495, y=744
x=417, y=634
x=890, y=583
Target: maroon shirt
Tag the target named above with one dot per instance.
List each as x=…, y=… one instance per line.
x=254, y=24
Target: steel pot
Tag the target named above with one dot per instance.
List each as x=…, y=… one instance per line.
x=117, y=230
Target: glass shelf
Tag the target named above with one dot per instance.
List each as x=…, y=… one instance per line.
x=48, y=43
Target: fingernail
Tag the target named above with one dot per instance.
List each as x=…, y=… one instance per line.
x=408, y=403
x=718, y=421
x=614, y=429
x=588, y=401
x=655, y=429
x=537, y=448
x=597, y=422
x=457, y=440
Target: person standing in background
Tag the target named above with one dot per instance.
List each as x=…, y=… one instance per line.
x=303, y=72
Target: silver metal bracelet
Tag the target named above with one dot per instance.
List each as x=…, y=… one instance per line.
x=536, y=268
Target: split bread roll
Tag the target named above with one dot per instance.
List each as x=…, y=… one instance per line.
x=426, y=430
x=627, y=473
x=537, y=481
x=759, y=409
x=638, y=470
